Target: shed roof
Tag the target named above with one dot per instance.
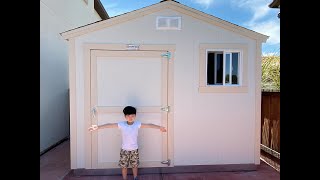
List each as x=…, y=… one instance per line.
x=165, y=4
x=100, y=10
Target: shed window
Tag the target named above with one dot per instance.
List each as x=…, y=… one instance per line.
x=223, y=68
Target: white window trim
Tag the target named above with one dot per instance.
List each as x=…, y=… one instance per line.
x=242, y=85
x=168, y=28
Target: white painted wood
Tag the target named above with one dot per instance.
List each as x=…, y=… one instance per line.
x=129, y=81
x=119, y=79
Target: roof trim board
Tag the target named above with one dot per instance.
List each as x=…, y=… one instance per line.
x=173, y=5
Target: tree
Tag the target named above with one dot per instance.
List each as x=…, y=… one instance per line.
x=270, y=79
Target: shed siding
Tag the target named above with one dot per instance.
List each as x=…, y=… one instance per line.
x=209, y=128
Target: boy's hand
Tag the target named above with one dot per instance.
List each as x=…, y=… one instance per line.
x=163, y=129
x=93, y=128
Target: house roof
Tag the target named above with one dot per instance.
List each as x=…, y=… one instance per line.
x=165, y=4
x=100, y=10
x=275, y=4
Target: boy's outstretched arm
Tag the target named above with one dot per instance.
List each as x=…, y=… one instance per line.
x=108, y=125
x=162, y=129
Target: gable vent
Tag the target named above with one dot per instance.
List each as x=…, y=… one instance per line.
x=168, y=23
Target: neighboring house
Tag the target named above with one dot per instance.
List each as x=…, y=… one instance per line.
x=195, y=74
x=57, y=16
x=275, y=4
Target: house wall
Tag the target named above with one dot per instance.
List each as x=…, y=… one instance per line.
x=209, y=128
x=57, y=16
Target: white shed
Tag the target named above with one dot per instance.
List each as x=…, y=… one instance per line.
x=195, y=74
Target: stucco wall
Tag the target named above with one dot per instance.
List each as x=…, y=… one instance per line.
x=57, y=16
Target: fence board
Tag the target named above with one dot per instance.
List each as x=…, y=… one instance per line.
x=270, y=120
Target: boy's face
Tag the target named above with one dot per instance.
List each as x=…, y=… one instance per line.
x=130, y=117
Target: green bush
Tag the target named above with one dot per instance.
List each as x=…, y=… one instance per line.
x=270, y=79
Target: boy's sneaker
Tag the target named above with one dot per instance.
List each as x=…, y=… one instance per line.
x=136, y=178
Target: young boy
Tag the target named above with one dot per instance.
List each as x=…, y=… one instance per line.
x=129, y=151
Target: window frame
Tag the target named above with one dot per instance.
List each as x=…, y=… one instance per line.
x=215, y=67
x=242, y=85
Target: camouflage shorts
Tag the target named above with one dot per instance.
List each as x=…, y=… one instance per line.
x=129, y=157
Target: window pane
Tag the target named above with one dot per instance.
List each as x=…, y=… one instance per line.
x=219, y=68
x=227, y=70
x=162, y=22
x=174, y=23
x=235, y=69
x=210, y=69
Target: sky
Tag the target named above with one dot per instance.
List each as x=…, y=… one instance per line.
x=251, y=14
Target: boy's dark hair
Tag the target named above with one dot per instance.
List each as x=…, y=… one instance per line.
x=129, y=110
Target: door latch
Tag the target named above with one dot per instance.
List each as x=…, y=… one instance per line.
x=166, y=162
x=93, y=111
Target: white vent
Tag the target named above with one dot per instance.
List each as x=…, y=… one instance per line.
x=168, y=23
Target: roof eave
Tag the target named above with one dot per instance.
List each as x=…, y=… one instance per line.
x=100, y=10
x=264, y=38
x=275, y=4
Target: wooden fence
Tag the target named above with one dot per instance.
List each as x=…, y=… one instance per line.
x=270, y=123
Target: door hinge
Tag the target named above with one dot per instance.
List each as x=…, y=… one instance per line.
x=166, y=162
x=167, y=108
x=167, y=54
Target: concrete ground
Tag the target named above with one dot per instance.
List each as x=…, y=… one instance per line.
x=55, y=165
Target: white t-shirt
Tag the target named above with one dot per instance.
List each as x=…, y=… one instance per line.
x=129, y=134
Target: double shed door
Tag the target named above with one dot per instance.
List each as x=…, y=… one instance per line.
x=135, y=78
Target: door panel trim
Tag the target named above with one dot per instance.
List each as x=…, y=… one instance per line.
x=117, y=109
x=122, y=47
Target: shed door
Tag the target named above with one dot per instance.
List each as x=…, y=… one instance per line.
x=135, y=78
